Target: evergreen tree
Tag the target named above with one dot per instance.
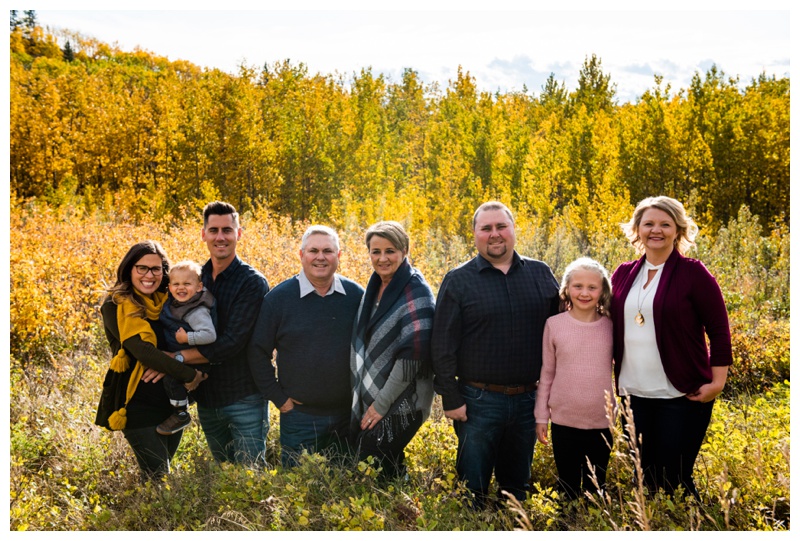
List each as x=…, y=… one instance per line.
x=29, y=23
x=69, y=54
x=15, y=21
x=553, y=95
x=595, y=90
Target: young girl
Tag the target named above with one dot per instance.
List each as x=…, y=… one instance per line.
x=576, y=375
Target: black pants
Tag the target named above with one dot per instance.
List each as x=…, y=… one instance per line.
x=672, y=431
x=176, y=391
x=153, y=451
x=571, y=448
x=387, y=441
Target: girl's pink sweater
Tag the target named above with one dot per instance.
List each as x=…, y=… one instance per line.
x=576, y=372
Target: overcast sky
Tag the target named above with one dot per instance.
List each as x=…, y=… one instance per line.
x=507, y=48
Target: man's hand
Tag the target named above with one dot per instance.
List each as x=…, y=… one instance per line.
x=458, y=414
x=181, y=336
x=198, y=378
x=288, y=405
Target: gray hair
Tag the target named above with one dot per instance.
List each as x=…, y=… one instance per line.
x=319, y=230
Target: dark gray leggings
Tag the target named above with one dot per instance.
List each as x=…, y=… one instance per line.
x=387, y=441
x=153, y=451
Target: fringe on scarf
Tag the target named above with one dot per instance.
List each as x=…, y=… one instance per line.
x=121, y=362
x=118, y=419
x=397, y=421
x=413, y=369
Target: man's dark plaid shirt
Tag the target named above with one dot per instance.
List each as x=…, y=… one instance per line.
x=488, y=325
x=238, y=291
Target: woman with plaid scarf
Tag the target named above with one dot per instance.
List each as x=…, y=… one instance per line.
x=390, y=359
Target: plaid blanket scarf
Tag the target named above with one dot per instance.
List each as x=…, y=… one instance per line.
x=398, y=332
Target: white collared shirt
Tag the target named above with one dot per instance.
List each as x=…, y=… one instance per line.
x=307, y=287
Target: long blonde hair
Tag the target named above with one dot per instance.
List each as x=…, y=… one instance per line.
x=587, y=264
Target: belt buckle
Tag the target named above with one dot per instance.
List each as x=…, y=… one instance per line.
x=513, y=389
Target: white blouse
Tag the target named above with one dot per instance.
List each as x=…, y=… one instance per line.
x=642, y=373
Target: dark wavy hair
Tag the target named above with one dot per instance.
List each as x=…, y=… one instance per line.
x=123, y=289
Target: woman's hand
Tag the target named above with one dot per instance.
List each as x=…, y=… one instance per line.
x=198, y=378
x=181, y=336
x=706, y=393
x=541, y=432
x=152, y=376
x=371, y=418
x=709, y=391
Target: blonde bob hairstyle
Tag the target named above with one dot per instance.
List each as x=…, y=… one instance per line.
x=391, y=231
x=586, y=264
x=686, y=228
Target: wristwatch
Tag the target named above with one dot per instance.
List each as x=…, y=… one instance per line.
x=179, y=357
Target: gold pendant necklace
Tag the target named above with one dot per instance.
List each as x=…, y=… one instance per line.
x=639, y=318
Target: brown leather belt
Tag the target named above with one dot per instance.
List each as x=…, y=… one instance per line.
x=504, y=389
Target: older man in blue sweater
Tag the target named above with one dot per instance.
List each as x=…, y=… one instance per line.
x=308, y=320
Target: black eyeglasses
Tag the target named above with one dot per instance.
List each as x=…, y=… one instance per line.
x=144, y=269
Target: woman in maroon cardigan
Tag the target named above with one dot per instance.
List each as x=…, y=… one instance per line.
x=663, y=306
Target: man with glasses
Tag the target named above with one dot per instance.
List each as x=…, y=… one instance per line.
x=232, y=413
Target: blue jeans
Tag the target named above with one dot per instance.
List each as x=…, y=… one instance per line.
x=498, y=435
x=313, y=433
x=237, y=432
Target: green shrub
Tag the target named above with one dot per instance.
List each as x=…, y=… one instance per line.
x=760, y=356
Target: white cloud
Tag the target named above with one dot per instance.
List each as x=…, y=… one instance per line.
x=502, y=49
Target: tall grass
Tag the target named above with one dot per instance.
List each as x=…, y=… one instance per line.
x=67, y=474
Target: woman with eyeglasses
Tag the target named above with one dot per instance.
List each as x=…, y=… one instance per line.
x=130, y=316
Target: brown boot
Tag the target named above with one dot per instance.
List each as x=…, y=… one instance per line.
x=174, y=423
